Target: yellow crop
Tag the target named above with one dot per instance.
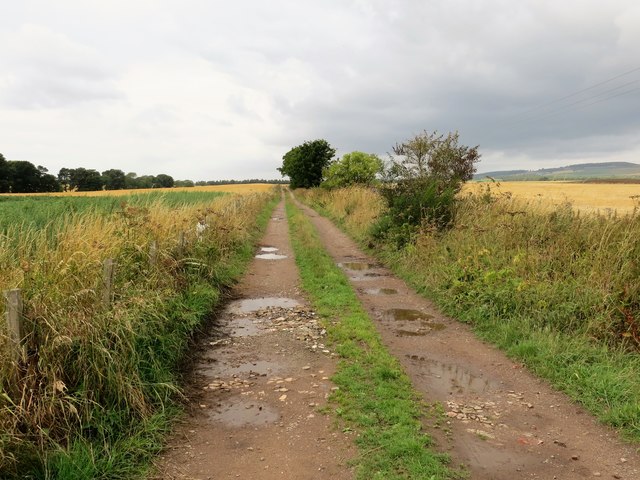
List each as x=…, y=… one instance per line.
x=588, y=197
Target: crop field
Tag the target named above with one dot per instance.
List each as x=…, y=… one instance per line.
x=587, y=197
x=54, y=212
x=99, y=354
x=232, y=188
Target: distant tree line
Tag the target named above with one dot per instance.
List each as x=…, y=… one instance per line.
x=202, y=183
x=19, y=176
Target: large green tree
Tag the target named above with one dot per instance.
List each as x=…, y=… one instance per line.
x=163, y=180
x=305, y=163
x=113, y=179
x=24, y=177
x=355, y=168
x=85, y=179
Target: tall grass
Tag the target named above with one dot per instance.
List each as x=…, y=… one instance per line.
x=554, y=287
x=89, y=376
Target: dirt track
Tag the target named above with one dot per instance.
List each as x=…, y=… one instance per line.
x=263, y=377
x=502, y=423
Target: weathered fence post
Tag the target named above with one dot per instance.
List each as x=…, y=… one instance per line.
x=13, y=314
x=107, y=282
x=153, y=253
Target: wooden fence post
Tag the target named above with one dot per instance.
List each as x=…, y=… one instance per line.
x=13, y=314
x=107, y=282
x=153, y=253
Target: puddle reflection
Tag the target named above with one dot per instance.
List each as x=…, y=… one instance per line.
x=254, y=304
x=449, y=378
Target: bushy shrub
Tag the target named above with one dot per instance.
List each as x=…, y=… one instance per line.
x=355, y=168
x=421, y=182
x=415, y=203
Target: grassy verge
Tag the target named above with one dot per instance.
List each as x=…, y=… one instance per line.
x=95, y=388
x=554, y=289
x=375, y=396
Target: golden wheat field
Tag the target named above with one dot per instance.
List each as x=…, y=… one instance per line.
x=235, y=188
x=588, y=197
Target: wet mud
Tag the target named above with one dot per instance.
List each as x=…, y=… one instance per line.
x=381, y=291
x=449, y=378
x=242, y=413
x=243, y=327
x=249, y=305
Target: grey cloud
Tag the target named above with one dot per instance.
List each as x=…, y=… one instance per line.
x=362, y=74
x=45, y=69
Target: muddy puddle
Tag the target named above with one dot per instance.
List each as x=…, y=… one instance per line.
x=269, y=249
x=421, y=331
x=405, y=315
x=381, y=291
x=271, y=256
x=360, y=270
x=446, y=379
x=243, y=327
x=257, y=368
x=410, y=323
x=365, y=276
x=254, y=304
x=241, y=413
x=357, y=266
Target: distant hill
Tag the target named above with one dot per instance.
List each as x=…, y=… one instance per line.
x=580, y=171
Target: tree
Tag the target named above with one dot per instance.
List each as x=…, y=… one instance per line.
x=4, y=175
x=113, y=179
x=305, y=163
x=48, y=182
x=145, y=181
x=353, y=168
x=184, y=183
x=422, y=181
x=85, y=180
x=429, y=155
x=25, y=177
x=64, y=177
x=164, y=181
x=131, y=180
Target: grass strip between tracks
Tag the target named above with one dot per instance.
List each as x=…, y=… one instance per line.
x=375, y=396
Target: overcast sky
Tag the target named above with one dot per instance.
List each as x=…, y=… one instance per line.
x=206, y=89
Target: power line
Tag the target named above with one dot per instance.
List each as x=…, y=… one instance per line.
x=571, y=95
x=637, y=89
x=577, y=103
